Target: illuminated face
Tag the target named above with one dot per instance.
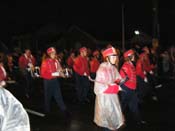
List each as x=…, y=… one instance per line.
x=73, y=55
x=28, y=52
x=155, y=44
x=53, y=55
x=9, y=58
x=84, y=53
x=132, y=57
x=112, y=59
x=146, y=50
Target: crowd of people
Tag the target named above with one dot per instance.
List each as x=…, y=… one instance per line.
x=120, y=79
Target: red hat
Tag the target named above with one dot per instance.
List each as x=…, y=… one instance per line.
x=50, y=50
x=109, y=51
x=83, y=49
x=95, y=53
x=128, y=53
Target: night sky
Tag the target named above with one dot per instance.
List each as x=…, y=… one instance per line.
x=102, y=19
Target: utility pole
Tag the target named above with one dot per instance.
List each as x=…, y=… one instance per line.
x=156, y=28
x=123, y=29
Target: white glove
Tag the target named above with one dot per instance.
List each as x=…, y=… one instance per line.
x=144, y=72
x=120, y=89
x=151, y=72
x=85, y=74
x=146, y=80
x=36, y=74
x=55, y=74
x=2, y=83
x=30, y=65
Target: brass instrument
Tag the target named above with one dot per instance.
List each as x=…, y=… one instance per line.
x=67, y=72
x=34, y=71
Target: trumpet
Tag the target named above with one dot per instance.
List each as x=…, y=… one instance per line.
x=67, y=72
x=34, y=71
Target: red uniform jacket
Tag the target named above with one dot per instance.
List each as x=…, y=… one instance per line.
x=24, y=61
x=48, y=67
x=94, y=64
x=146, y=63
x=81, y=65
x=128, y=69
x=70, y=62
x=140, y=69
x=3, y=73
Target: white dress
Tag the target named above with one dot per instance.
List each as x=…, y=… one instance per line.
x=13, y=117
x=107, y=106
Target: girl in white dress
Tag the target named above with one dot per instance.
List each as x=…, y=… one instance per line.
x=108, y=114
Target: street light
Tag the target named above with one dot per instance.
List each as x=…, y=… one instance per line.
x=136, y=32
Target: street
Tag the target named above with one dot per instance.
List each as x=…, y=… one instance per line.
x=159, y=115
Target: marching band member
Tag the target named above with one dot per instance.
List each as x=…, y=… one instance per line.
x=147, y=65
x=129, y=97
x=3, y=74
x=50, y=71
x=11, y=68
x=81, y=69
x=70, y=60
x=26, y=65
x=142, y=81
x=27, y=60
x=108, y=114
x=149, y=71
x=94, y=63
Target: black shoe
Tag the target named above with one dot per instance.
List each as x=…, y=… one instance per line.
x=87, y=101
x=75, y=101
x=154, y=98
x=67, y=114
x=47, y=116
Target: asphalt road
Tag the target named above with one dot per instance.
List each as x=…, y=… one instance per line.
x=158, y=114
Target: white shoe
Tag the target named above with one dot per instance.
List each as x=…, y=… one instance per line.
x=155, y=98
x=158, y=86
x=143, y=122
